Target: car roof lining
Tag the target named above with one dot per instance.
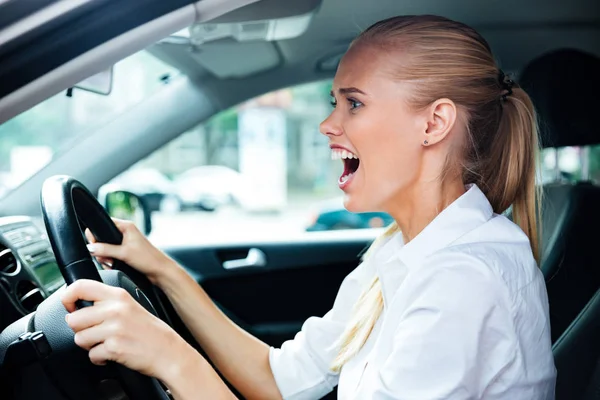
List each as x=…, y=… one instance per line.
x=515, y=37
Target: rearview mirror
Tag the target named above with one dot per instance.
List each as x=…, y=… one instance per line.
x=101, y=83
x=126, y=205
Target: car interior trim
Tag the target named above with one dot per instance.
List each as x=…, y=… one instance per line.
x=93, y=61
x=46, y=15
x=11, y=11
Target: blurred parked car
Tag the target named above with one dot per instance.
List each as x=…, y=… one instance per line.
x=209, y=187
x=333, y=216
x=156, y=190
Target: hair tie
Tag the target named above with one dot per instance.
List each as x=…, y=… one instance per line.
x=505, y=83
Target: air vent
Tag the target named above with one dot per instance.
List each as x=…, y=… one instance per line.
x=5, y=285
x=8, y=262
x=29, y=295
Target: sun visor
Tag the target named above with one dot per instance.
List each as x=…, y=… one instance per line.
x=228, y=59
x=248, y=31
x=564, y=87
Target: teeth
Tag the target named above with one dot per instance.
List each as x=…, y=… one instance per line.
x=345, y=178
x=338, y=154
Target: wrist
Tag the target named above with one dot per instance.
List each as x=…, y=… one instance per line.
x=180, y=370
x=190, y=376
x=170, y=275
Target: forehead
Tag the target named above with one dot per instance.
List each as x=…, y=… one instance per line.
x=364, y=66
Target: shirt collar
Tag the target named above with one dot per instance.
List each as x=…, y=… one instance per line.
x=469, y=211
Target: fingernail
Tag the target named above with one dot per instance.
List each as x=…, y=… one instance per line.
x=67, y=318
x=92, y=248
x=108, y=264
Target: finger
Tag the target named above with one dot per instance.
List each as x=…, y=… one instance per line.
x=85, y=318
x=98, y=355
x=107, y=263
x=123, y=224
x=89, y=338
x=89, y=290
x=90, y=237
x=106, y=250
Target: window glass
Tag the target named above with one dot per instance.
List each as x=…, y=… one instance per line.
x=260, y=169
x=570, y=164
x=263, y=170
x=30, y=140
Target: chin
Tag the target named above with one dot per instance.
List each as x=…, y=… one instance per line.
x=355, y=205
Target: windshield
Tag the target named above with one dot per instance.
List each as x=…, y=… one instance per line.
x=30, y=140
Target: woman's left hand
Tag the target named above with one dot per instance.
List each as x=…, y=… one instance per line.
x=117, y=328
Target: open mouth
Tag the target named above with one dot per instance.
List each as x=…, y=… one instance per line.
x=351, y=163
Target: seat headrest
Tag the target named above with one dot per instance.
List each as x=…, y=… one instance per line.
x=564, y=86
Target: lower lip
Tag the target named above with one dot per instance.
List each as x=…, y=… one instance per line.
x=344, y=184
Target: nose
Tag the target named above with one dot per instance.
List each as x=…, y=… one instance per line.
x=330, y=127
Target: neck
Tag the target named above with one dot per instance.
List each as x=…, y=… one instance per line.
x=418, y=206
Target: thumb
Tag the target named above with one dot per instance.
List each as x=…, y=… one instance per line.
x=105, y=250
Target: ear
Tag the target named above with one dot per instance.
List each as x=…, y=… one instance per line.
x=441, y=116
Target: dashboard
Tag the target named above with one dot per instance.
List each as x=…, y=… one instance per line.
x=28, y=270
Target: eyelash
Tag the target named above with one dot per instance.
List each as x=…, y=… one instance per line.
x=354, y=104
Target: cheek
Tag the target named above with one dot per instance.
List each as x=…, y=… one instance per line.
x=392, y=156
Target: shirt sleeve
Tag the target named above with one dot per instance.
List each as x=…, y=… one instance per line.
x=301, y=366
x=454, y=337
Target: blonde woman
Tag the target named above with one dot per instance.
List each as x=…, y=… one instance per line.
x=448, y=304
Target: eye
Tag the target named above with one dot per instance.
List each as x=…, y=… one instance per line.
x=333, y=102
x=354, y=104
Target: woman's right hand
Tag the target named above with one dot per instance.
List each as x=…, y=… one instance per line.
x=135, y=250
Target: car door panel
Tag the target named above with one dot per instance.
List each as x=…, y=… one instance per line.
x=300, y=280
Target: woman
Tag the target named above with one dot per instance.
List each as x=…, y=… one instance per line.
x=448, y=304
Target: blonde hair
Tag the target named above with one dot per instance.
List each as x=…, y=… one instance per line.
x=451, y=60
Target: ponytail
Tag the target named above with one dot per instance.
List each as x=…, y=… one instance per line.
x=507, y=171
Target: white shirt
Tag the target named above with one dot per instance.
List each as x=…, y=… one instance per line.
x=465, y=317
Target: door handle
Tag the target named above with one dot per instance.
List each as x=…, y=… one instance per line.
x=255, y=258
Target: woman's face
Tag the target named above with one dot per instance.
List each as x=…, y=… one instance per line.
x=374, y=131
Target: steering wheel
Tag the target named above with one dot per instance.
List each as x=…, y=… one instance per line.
x=67, y=208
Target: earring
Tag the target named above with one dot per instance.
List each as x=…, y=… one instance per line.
x=425, y=142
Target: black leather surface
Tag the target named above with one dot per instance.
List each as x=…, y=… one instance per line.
x=571, y=217
x=68, y=367
x=577, y=351
x=11, y=333
x=564, y=87
x=64, y=202
x=593, y=389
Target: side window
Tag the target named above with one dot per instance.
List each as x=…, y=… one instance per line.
x=260, y=168
x=570, y=164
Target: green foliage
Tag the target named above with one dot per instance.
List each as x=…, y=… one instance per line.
x=225, y=121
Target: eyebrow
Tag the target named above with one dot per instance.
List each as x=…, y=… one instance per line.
x=348, y=91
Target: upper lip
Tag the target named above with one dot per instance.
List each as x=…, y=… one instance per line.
x=337, y=146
